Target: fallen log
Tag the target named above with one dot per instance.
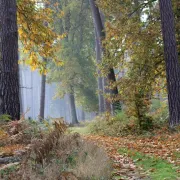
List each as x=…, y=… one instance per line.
x=6, y=160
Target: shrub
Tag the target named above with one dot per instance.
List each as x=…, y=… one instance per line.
x=117, y=125
x=120, y=124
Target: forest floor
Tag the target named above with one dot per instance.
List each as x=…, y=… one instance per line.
x=141, y=157
x=134, y=157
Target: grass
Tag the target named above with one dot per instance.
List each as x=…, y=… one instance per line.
x=156, y=168
x=81, y=130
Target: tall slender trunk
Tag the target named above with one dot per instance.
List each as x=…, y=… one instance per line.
x=9, y=70
x=42, y=96
x=171, y=59
x=83, y=116
x=101, y=35
x=100, y=79
x=74, y=119
x=43, y=85
x=73, y=114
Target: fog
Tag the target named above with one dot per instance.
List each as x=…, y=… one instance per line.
x=30, y=86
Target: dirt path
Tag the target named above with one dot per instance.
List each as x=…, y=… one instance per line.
x=124, y=167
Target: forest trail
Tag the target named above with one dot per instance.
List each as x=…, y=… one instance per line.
x=158, y=153
x=123, y=166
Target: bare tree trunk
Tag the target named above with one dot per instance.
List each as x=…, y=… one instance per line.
x=171, y=59
x=42, y=96
x=43, y=85
x=74, y=119
x=100, y=79
x=83, y=116
x=101, y=35
x=9, y=70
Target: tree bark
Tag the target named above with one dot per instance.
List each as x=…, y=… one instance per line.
x=100, y=79
x=74, y=119
x=43, y=96
x=9, y=70
x=101, y=35
x=43, y=85
x=171, y=60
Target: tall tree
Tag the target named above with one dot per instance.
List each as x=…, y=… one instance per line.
x=9, y=75
x=42, y=95
x=100, y=79
x=77, y=52
x=139, y=63
x=43, y=85
x=100, y=31
x=72, y=104
x=171, y=59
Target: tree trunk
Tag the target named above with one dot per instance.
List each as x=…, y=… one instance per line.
x=107, y=103
x=43, y=85
x=83, y=116
x=9, y=70
x=100, y=79
x=101, y=35
x=74, y=119
x=43, y=96
x=171, y=59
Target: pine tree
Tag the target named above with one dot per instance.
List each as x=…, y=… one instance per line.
x=9, y=70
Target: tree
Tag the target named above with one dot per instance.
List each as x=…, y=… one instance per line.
x=42, y=95
x=138, y=62
x=77, y=76
x=37, y=39
x=171, y=59
x=43, y=84
x=100, y=79
x=72, y=104
x=100, y=32
x=9, y=74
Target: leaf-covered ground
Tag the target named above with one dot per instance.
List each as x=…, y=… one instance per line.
x=142, y=157
x=134, y=157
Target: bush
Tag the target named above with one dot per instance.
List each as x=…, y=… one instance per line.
x=117, y=125
x=120, y=124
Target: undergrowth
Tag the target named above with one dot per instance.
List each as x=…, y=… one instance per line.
x=52, y=154
x=122, y=125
